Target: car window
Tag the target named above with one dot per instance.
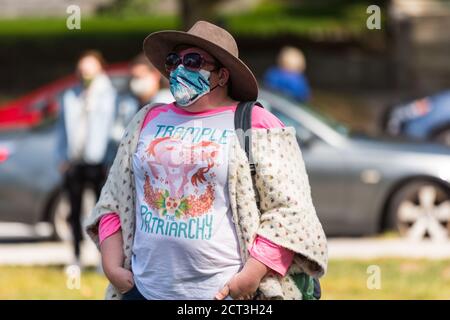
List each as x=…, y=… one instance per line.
x=303, y=134
x=328, y=120
x=314, y=112
x=45, y=108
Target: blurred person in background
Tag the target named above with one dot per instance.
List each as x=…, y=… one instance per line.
x=86, y=116
x=426, y=118
x=146, y=86
x=288, y=77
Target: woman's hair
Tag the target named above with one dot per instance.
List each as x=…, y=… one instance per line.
x=95, y=54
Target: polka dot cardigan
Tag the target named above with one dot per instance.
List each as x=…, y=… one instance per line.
x=286, y=215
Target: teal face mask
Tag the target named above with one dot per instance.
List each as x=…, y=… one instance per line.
x=188, y=86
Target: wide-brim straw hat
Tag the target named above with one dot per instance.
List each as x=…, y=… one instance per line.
x=216, y=41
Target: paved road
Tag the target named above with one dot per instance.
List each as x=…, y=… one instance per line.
x=370, y=248
x=45, y=253
x=51, y=253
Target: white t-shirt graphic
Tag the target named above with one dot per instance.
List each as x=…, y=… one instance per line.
x=185, y=244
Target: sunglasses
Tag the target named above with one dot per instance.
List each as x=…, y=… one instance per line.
x=192, y=61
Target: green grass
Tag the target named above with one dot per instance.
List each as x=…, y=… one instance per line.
x=48, y=283
x=346, y=279
x=400, y=279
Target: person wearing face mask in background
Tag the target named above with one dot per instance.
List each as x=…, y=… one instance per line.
x=85, y=121
x=146, y=86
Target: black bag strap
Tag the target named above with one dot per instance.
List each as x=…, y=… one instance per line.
x=243, y=124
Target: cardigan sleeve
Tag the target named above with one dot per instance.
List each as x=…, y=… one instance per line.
x=287, y=214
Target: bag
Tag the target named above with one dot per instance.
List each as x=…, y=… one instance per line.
x=308, y=286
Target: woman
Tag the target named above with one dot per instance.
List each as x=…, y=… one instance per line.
x=180, y=189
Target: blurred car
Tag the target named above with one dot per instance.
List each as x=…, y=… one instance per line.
x=423, y=119
x=30, y=184
x=364, y=185
x=360, y=185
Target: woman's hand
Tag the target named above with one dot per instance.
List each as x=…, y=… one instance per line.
x=243, y=285
x=121, y=278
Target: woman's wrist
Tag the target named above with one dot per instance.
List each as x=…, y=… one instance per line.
x=111, y=271
x=256, y=268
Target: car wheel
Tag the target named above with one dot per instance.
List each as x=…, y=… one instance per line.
x=421, y=210
x=62, y=230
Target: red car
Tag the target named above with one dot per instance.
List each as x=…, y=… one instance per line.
x=31, y=109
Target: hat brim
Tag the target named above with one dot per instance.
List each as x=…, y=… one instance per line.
x=157, y=45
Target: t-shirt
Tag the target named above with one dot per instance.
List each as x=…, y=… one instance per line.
x=185, y=244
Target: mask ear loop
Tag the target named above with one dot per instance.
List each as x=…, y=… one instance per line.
x=218, y=83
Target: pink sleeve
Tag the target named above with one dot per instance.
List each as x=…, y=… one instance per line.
x=109, y=224
x=263, y=119
x=274, y=256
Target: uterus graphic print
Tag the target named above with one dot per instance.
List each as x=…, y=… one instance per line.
x=185, y=174
x=180, y=178
x=181, y=165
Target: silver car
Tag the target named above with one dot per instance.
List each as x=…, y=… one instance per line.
x=360, y=185
x=363, y=185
